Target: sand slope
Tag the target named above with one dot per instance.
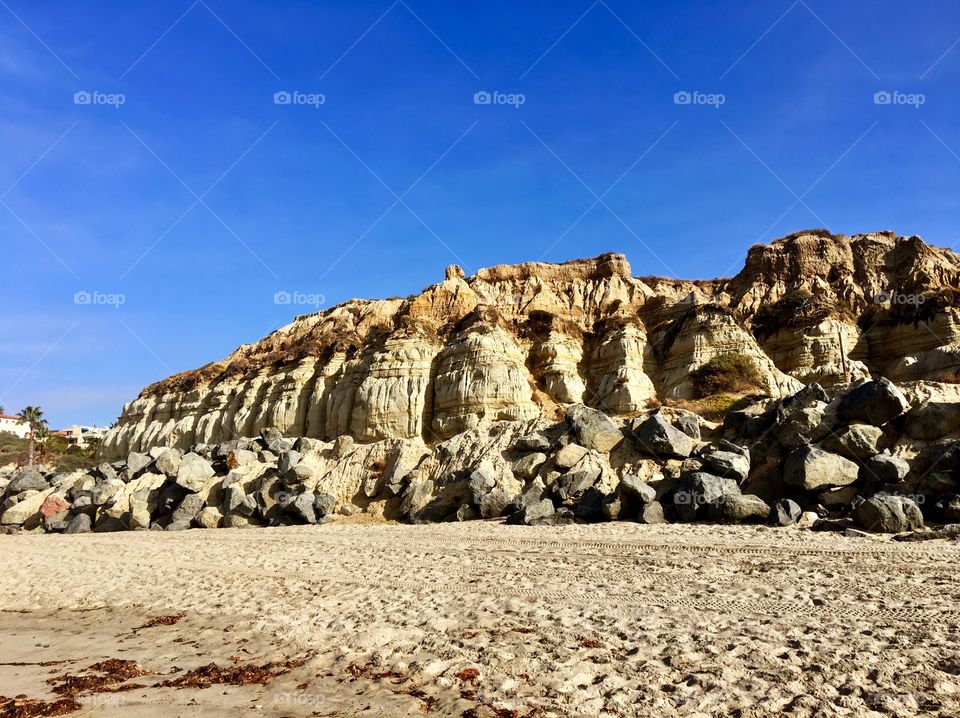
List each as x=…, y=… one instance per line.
x=615, y=619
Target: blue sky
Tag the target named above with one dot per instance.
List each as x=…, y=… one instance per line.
x=198, y=197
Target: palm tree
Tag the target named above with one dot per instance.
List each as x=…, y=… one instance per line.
x=43, y=434
x=32, y=416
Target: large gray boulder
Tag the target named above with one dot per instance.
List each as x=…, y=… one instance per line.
x=857, y=441
x=168, y=462
x=727, y=464
x=802, y=418
x=888, y=514
x=188, y=508
x=812, y=468
x=79, y=524
x=194, y=472
x=493, y=504
x=576, y=481
x=632, y=486
x=886, y=469
x=700, y=494
x=874, y=402
x=528, y=466
x=786, y=512
x=656, y=437
x=652, y=513
x=26, y=480
x=304, y=506
x=569, y=456
x=932, y=420
x=742, y=508
x=593, y=428
x=532, y=442
x=137, y=462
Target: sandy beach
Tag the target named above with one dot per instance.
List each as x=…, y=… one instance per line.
x=480, y=619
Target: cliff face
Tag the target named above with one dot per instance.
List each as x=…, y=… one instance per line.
x=525, y=341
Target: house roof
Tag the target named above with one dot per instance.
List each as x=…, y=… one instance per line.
x=7, y=416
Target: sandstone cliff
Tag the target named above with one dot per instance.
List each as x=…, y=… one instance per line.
x=523, y=342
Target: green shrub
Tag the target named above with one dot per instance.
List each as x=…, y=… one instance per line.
x=727, y=374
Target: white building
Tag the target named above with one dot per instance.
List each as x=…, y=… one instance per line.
x=12, y=425
x=78, y=435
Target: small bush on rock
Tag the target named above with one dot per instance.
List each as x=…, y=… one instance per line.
x=726, y=374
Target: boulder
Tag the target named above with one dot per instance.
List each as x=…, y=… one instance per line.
x=26, y=480
x=303, y=506
x=79, y=524
x=652, y=513
x=569, y=456
x=538, y=512
x=54, y=504
x=838, y=496
x=137, y=462
x=802, y=418
x=632, y=486
x=324, y=505
x=590, y=507
x=178, y=526
x=886, y=469
x=856, y=441
x=480, y=483
x=493, y=504
x=109, y=524
x=532, y=442
x=742, y=508
x=888, y=514
x=26, y=512
x=576, y=481
x=287, y=460
x=593, y=428
x=106, y=471
x=193, y=472
x=528, y=466
x=188, y=508
x=874, y=402
x=727, y=465
x=689, y=424
x=786, y=512
x=947, y=507
x=105, y=491
x=241, y=457
x=812, y=468
x=168, y=462
x=656, y=437
x=932, y=420
x=209, y=518
x=700, y=494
